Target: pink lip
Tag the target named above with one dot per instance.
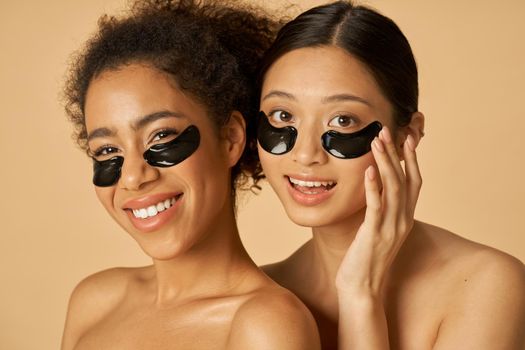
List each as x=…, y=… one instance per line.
x=307, y=199
x=156, y=222
x=149, y=200
x=308, y=178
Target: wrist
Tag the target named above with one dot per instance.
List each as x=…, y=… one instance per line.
x=359, y=290
x=359, y=297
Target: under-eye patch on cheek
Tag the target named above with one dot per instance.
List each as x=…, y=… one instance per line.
x=353, y=145
x=275, y=140
x=107, y=172
x=175, y=151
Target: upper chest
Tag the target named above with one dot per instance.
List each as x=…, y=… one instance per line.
x=414, y=312
x=415, y=306
x=197, y=325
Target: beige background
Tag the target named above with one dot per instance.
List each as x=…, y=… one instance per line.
x=471, y=56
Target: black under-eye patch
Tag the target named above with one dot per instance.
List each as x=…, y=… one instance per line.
x=352, y=145
x=275, y=140
x=279, y=141
x=107, y=172
x=171, y=153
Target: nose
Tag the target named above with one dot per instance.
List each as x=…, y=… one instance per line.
x=308, y=150
x=136, y=173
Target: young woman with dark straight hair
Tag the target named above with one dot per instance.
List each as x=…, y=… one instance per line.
x=339, y=116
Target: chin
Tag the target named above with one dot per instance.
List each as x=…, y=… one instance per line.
x=164, y=251
x=309, y=217
x=162, y=245
x=325, y=215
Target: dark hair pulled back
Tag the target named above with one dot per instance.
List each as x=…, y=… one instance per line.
x=372, y=38
x=211, y=49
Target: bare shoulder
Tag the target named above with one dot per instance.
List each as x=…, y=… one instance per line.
x=477, y=260
x=95, y=297
x=487, y=293
x=491, y=277
x=273, y=318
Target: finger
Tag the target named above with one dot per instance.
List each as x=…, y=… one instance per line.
x=386, y=136
x=413, y=175
x=373, y=198
x=393, y=190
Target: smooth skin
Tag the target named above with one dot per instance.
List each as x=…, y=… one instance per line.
x=373, y=277
x=202, y=290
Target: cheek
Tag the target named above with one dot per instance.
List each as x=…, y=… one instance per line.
x=106, y=196
x=269, y=162
x=273, y=167
x=357, y=165
x=353, y=171
x=351, y=181
x=207, y=174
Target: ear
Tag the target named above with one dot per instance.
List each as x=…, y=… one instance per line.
x=416, y=128
x=234, y=136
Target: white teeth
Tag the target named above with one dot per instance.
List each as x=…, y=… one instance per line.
x=160, y=207
x=311, y=183
x=153, y=210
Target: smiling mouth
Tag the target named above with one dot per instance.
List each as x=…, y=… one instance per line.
x=311, y=187
x=154, y=210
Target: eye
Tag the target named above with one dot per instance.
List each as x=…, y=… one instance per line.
x=342, y=121
x=104, y=151
x=281, y=117
x=163, y=134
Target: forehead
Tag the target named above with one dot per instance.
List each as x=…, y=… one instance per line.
x=122, y=95
x=322, y=71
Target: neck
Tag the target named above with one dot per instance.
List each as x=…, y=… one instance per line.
x=212, y=266
x=330, y=244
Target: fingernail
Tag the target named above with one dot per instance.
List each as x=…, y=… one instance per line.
x=378, y=144
x=386, y=134
x=371, y=173
x=411, y=143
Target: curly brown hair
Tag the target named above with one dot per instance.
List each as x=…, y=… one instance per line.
x=211, y=48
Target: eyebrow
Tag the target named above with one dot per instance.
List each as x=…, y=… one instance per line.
x=136, y=125
x=150, y=118
x=345, y=97
x=100, y=132
x=277, y=93
x=327, y=99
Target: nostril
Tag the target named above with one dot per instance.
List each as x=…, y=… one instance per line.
x=308, y=152
x=135, y=174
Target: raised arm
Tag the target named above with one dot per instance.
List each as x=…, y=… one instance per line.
x=388, y=220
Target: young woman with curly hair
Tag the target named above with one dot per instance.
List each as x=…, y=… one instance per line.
x=339, y=112
x=160, y=100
